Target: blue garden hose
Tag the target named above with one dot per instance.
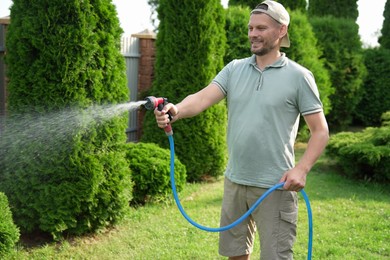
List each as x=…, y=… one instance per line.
x=239, y=220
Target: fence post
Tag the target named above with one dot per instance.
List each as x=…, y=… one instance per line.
x=4, y=22
x=147, y=47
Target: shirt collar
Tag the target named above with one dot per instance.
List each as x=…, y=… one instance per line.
x=282, y=61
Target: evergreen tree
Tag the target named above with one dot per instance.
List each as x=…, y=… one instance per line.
x=244, y=3
x=64, y=54
x=376, y=92
x=384, y=39
x=236, y=28
x=190, y=49
x=337, y=8
x=341, y=45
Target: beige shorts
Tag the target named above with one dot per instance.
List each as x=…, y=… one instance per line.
x=275, y=218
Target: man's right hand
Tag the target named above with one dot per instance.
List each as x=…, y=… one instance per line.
x=162, y=117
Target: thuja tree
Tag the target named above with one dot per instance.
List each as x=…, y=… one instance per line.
x=376, y=92
x=341, y=45
x=236, y=28
x=337, y=8
x=384, y=39
x=190, y=49
x=64, y=175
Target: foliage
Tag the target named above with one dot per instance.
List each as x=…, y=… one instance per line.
x=363, y=155
x=244, y=3
x=304, y=50
x=340, y=42
x=294, y=4
x=190, y=48
x=150, y=167
x=384, y=39
x=237, y=33
x=337, y=8
x=9, y=232
x=64, y=54
x=386, y=118
x=376, y=88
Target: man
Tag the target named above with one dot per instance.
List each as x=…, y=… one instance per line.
x=266, y=93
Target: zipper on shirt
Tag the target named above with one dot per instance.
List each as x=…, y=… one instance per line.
x=260, y=82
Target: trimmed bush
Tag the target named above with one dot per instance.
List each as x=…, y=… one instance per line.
x=236, y=28
x=190, y=48
x=339, y=40
x=376, y=88
x=340, y=8
x=384, y=38
x=363, y=155
x=9, y=232
x=64, y=174
x=150, y=167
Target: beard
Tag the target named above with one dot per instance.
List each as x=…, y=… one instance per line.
x=265, y=49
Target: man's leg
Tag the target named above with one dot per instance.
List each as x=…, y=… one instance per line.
x=237, y=241
x=276, y=220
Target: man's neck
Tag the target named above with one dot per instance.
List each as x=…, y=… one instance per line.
x=267, y=59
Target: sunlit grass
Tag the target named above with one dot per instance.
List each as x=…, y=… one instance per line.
x=351, y=221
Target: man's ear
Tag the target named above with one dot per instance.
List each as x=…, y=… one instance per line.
x=283, y=31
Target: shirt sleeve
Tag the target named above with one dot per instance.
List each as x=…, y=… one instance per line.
x=309, y=101
x=222, y=78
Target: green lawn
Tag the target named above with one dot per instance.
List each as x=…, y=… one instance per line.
x=351, y=221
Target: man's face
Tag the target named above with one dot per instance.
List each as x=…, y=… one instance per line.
x=263, y=33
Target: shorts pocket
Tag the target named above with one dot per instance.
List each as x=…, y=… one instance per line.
x=287, y=230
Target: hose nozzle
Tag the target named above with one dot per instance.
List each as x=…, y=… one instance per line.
x=159, y=102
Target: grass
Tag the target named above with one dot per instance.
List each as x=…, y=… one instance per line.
x=351, y=221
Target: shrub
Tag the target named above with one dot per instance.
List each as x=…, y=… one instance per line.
x=342, y=51
x=150, y=167
x=376, y=88
x=59, y=177
x=9, y=232
x=62, y=177
x=237, y=33
x=363, y=155
x=190, y=48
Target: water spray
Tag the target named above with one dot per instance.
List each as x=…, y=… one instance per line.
x=159, y=103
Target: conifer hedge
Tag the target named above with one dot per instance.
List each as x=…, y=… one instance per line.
x=376, y=88
x=384, y=38
x=64, y=178
x=236, y=28
x=339, y=41
x=338, y=8
x=190, y=49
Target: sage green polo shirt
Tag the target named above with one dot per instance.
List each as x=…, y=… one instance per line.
x=263, y=116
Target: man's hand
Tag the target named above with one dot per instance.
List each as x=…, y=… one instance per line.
x=295, y=179
x=162, y=117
